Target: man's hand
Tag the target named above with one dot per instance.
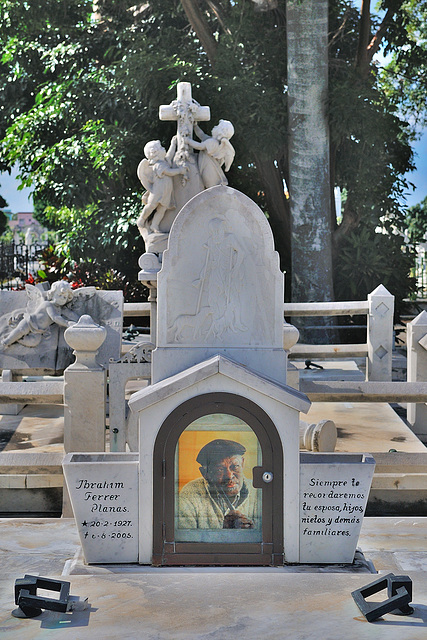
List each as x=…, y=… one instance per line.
x=237, y=520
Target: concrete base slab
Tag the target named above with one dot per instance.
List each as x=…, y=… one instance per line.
x=184, y=607
x=210, y=604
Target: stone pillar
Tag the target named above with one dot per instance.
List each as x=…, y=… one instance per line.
x=152, y=299
x=380, y=335
x=290, y=338
x=85, y=394
x=85, y=384
x=9, y=408
x=150, y=266
x=416, y=338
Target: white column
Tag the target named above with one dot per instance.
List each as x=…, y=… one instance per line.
x=85, y=389
x=416, y=338
x=380, y=335
x=85, y=394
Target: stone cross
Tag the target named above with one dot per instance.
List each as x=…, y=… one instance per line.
x=186, y=112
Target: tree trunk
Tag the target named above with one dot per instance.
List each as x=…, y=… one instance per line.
x=309, y=167
x=277, y=206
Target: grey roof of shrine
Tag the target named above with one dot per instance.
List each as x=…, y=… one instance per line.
x=228, y=368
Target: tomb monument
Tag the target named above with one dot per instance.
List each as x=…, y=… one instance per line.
x=217, y=477
x=33, y=321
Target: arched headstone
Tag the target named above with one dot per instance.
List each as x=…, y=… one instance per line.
x=220, y=287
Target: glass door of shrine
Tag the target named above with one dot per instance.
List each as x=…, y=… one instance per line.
x=219, y=485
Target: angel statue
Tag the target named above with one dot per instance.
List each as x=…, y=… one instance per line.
x=155, y=172
x=28, y=326
x=215, y=151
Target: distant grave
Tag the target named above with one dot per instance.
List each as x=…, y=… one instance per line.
x=33, y=321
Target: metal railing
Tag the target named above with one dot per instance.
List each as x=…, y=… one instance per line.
x=17, y=262
x=420, y=273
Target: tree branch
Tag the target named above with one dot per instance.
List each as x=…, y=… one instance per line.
x=362, y=59
x=201, y=28
x=217, y=11
x=277, y=205
x=368, y=46
x=374, y=45
x=341, y=29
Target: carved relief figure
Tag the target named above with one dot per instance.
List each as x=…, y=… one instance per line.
x=28, y=326
x=219, y=307
x=215, y=151
x=155, y=173
x=223, y=279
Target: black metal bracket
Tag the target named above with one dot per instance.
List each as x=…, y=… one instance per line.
x=312, y=365
x=399, y=591
x=30, y=604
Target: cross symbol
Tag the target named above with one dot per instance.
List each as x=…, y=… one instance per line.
x=186, y=112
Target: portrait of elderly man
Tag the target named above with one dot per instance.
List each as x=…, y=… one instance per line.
x=222, y=498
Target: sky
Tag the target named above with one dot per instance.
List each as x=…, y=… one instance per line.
x=17, y=201
x=419, y=177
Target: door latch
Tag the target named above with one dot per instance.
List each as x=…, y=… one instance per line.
x=261, y=477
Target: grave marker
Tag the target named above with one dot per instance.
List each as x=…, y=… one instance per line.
x=104, y=496
x=334, y=490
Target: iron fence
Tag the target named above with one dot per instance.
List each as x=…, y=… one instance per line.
x=420, y=272
x=18, y=262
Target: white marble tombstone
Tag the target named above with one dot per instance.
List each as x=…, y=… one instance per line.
x=104, y=494
x=220, y=289
x=334, y=490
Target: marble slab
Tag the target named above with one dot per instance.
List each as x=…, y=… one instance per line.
x=104, y=495
x=220, y=283
x=334, y=490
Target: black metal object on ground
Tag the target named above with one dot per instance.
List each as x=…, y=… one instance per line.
x=399, y=591
x=30, y=604
x=312, y=365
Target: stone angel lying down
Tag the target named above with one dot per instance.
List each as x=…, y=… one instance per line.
x=28, y=326
x=155, y=173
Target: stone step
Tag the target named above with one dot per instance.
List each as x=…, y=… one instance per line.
x=30, y=482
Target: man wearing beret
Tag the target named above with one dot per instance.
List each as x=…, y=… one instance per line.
x=222, y=498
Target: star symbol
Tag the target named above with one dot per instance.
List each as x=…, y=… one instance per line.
x=84, y=524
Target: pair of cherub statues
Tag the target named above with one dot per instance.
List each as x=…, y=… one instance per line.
x=156, y=170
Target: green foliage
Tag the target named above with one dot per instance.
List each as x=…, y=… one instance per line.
x=368, y=259
x=3, y=222
x=79, y=97
x=370, y=139
x=416, y=222
x=404, y=78
x=55, y=265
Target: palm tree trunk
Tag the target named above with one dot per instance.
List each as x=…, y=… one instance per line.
x=309, y=165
